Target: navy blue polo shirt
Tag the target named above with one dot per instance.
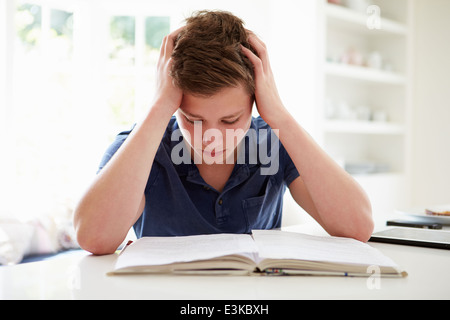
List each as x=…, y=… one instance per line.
x=179, y=202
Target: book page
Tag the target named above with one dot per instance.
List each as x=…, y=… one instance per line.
x=273, y=244
x=151, y=251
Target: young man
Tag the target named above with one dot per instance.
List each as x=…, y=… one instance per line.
x=173, y=176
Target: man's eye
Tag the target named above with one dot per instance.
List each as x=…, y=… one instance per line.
x=230, y=122
x=191, y=121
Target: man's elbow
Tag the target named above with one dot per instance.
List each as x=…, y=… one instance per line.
x=364, y=233
x=359, y=228
x=95, y=246
x=90, y=241
x=364, y=228
x=89, y=234
x=358, y=232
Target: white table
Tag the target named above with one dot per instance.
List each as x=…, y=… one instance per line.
x=79, y=275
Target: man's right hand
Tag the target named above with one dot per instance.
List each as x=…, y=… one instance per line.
x=167, y=94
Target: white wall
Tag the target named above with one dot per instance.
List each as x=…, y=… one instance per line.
x=293, y=48
x=431, y=118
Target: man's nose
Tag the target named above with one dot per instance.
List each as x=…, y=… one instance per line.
x=212, y=135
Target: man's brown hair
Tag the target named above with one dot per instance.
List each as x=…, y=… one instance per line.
x=207, y=55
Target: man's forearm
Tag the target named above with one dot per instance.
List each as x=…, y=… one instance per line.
x=110, y=206
x=342, y=204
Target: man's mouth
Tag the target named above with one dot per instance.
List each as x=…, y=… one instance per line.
x=213, y=153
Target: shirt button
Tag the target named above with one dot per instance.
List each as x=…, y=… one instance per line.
x=220, y=202
x=206, y=188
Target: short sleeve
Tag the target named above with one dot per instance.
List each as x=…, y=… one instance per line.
x=112, y=149
x=290, y=171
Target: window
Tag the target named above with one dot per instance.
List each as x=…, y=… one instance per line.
x=43, y=91
x=80, y=75
x=132, y=57
x=122, y=37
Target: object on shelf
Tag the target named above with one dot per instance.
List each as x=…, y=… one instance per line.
x=343, y=111
x=352, y=56
x=375, y=60
x=338, y=2
x=379, y=116
x=340, y=111
x=330, y=111
x=356, y=57
x=363, y=113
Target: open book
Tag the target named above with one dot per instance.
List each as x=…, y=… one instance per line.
x=263, y=252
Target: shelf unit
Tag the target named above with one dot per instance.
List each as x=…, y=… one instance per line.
x=364, y=104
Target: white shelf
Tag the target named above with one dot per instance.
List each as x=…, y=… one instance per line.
x=380, y=175
x=348, y=18
x=348, y=37
x=364, y=74
x=363, y=127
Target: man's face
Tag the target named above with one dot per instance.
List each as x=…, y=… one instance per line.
x=216, y=124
